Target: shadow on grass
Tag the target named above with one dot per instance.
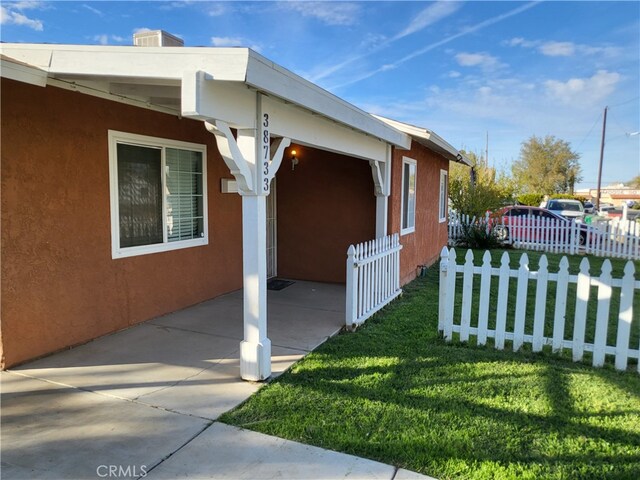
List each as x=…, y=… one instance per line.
x=397, y=393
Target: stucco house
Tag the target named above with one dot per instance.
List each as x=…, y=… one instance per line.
x=137, y=181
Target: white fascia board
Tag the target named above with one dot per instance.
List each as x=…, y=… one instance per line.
x=22, y=73
x=132, y=62
x=270, y=78
x=429, y=139
x=235, y=103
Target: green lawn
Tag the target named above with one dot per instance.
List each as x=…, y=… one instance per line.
x=394, y=391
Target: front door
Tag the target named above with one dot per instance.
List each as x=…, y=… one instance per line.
x=272, y=243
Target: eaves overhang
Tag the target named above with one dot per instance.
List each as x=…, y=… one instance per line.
x=429, y=139
x=128, y=70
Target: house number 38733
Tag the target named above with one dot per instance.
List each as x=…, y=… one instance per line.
x=266, y=150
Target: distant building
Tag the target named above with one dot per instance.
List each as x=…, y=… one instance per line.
x=616, y=194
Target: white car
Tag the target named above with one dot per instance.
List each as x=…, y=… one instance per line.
x=566, y=207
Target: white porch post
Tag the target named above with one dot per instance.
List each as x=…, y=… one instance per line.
x=255, y=349
x=252, y=162
x=381, y=173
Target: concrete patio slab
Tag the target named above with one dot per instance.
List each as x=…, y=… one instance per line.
x=212, y=392
x=51, y=431
x=134, y=362
x=226, y=452
x=144, y=397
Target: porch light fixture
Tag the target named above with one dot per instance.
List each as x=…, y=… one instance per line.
x=294, y=160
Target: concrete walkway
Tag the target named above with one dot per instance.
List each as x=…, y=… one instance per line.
x=143, y=402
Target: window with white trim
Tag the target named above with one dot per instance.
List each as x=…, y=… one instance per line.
x=158, y=194
x=409, y=169
x=444, y=196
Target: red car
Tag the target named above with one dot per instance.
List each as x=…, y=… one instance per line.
x=520, y=223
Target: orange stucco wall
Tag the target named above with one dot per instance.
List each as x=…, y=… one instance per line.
x=423, y=246
x=324, y=205
x=60, y=286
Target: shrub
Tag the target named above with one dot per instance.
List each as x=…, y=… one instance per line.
x=477, y=235
x=530, y=199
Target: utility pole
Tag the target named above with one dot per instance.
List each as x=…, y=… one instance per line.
x=604, y=129
x=486, y=152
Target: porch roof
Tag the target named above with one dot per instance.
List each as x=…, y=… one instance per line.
x=155, y=77
x=429, y=139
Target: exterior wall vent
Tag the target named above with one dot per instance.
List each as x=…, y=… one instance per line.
x=156, y=38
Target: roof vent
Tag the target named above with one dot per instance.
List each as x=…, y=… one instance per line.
x=156, y=38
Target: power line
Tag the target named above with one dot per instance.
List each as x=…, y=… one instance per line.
x=590, y=130
x=625, y=102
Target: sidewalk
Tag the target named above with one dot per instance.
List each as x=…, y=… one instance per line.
x=143, y=402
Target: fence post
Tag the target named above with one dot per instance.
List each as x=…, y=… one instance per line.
x=352, y=288
x=444, y=266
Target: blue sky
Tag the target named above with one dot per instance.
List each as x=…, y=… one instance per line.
x=462, y=69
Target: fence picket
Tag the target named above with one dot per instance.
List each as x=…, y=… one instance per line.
x=483, y=311
x=625, y=317
x=561, y=305
x=467, y=289
x=580, y=319
x=541, y=305
x=503, y=293
x=521, y=302
x=602, y=314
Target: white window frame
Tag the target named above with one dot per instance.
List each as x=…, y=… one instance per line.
x=412, y=228
x=443, y=197
x=116, y=137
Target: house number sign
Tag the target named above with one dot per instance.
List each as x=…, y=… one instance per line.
x=265, y=151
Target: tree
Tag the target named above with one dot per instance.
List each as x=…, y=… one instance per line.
x=547, y=165
x=490, y=191
x=634, y=182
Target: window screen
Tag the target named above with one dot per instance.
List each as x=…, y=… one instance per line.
x=185, y=215
x=139, y=195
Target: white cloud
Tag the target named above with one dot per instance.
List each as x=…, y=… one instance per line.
x=483, y=60
x=430, y=15
x=584, y=91
x=331, y=13
x=25, y=5
x=103, y=39
x=141, y=30
x=234, y=42
x=558, y=49
x=12, y=17
x=454, y=74
x=464, y=32
x=93, y=10
x=217, y=9
x=552, y=48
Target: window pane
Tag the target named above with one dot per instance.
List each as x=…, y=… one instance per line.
x=409, y=195
x=139, y=195
x=185, y=211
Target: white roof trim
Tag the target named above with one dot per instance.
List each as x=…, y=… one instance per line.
x=429, y=139
x=168, y=65
x=22, y=72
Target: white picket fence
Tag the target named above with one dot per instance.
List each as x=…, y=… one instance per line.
x=479, y=327
x=616, y=238
x=373, y=277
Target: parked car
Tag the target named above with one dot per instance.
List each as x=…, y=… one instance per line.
x=522, y=223
x=589, y=207
x=566, y=207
